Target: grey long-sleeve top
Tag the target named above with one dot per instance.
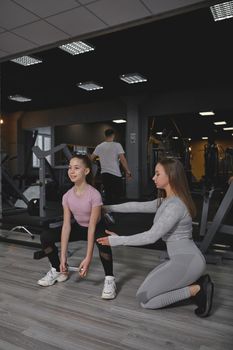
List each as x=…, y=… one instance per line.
x=172, y=221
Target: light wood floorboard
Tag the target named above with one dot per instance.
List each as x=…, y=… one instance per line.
x=72, y=316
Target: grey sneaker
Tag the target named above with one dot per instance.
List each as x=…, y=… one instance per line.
x=51, y=277
x=109, y=290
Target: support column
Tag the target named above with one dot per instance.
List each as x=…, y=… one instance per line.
x=20, y=146
x=144, y=157
x=133, y=149
x=0, y=171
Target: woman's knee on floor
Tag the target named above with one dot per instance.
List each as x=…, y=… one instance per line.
x=142, y=297
x=145, y=301
x=146, y=291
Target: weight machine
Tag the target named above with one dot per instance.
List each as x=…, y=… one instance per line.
x=35, y=207
x=9, y=186
x=208, y=230
x=217, y=226
x=41, y=155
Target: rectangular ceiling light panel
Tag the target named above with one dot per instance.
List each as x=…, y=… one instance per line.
x=19, y=98
x=26, y=60
x=222, y=11
x=89, y=86
x=206, y=113
x=220, y=123
x=76, y=48
x=133, y=78
x=119, y=121
x=228, y=129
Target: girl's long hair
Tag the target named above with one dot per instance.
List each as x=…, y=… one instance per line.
x=178, y=182
x=88, y=164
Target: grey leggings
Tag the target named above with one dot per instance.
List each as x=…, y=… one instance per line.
x=168, y=283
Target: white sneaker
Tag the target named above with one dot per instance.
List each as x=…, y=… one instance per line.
x=109, y=290
x=51, y=277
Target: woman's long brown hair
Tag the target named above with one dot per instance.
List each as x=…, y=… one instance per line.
x=178, y=182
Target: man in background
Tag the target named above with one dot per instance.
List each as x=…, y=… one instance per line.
x=111, y=155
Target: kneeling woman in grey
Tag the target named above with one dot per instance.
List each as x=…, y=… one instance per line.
x=181, y=276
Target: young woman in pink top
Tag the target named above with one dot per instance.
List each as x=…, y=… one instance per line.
x=82, y=203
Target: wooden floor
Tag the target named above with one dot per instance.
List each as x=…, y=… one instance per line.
x=72, y=316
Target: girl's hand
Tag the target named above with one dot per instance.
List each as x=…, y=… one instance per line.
x=83, y=267
x=105, y=240
x=63, y=266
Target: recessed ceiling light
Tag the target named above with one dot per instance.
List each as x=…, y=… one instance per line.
x=159, y=133
x=89, y=86
x=119, y=121
x=220, y=123
x=230, y=128
x=75, y=48
x=189, y=139
x=175, y=137
x=133, y=78
x=222, y=11
x=206, y=113
x=26, y=60
x=19, y=98
x=204, y=138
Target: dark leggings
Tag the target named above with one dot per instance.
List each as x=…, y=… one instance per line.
x=78, y=233
x=112, y=187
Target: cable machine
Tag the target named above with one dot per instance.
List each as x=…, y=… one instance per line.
x=217, y=226
x=41, y=155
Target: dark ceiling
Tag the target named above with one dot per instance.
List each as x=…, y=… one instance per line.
x=184, y=52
